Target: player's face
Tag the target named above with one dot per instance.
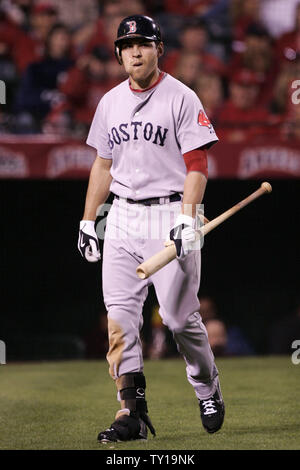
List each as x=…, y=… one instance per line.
x=140, y=58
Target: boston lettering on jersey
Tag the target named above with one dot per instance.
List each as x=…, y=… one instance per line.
x=136, y=130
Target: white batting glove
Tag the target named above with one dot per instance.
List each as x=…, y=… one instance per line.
x=184, y=236
x=88, y=243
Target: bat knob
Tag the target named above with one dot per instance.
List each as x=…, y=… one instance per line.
x=141, y=274
x=267, y=187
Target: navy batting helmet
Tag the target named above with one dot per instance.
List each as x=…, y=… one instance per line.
x=136, y=26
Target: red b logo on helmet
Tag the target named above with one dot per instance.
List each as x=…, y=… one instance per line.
x=132, y=26
x=203, y=120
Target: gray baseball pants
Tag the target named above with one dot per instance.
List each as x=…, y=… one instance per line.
x=135, y=232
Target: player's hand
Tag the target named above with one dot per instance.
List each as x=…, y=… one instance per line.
x=88, y=243
x=184, y=235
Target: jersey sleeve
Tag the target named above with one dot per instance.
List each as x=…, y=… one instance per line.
x=194, y=129
x=98, y=134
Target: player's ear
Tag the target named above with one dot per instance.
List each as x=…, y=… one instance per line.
x=160, y=49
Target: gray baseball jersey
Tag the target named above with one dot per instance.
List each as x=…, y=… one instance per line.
x=146, y=133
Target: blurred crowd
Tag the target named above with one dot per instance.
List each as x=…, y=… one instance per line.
x=226, y=340
x=241, y=57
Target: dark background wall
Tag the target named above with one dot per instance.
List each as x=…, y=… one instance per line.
x=250, y=263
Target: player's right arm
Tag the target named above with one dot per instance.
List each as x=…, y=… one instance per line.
x=97, y=193
x=98, y=188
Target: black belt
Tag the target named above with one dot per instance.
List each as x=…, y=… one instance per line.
x=153, y=200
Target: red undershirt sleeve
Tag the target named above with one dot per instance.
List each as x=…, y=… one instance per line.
x=196, y=160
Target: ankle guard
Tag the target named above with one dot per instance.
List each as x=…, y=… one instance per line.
x=131, y=388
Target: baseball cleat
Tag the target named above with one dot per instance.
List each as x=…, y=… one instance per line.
x=126, y=428
x=109, y=435
x=212, y=412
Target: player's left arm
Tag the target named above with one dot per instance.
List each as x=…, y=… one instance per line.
x=194, y=189
x=195, y=134
x=183, y=233
x=195, y=181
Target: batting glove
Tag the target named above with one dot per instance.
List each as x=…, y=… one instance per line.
x=184, y=236
x=88, y=243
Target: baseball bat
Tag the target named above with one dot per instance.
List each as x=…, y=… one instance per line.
x=163, y=257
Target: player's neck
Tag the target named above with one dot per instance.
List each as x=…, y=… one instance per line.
x=146, y=83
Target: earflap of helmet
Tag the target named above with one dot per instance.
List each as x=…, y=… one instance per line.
x=118, y=54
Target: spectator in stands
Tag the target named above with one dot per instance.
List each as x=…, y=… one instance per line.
x=224, y=340
x=215, y=13
x=278, y=16
x=193, y=39
x=18, y=11
x=9, y=76
x=189, y=8
x=43, y=17
x=82, y=88
x=17, y=44
x=30, y=47
x=219, y=25
x=8, y=71
x=217, y=336
x=242, y=117
x=187, y=68
x=84, y=12
x=283, y=89
x=288, y=45
x=285, y=103
x=243, y=14
x=25, y=24
x=94, y=34
x=133, y=7
x=257, y=56
x=38, y=89
x=215, y=327
x=209, y=88
x=103, y=31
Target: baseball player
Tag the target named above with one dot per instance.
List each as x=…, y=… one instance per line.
x=151, y=135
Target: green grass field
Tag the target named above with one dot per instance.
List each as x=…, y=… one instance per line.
x=63, y=405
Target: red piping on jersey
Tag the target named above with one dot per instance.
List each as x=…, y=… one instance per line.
x=152, y=86
x=196, y=160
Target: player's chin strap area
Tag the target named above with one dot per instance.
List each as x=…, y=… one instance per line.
x=131, y=389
